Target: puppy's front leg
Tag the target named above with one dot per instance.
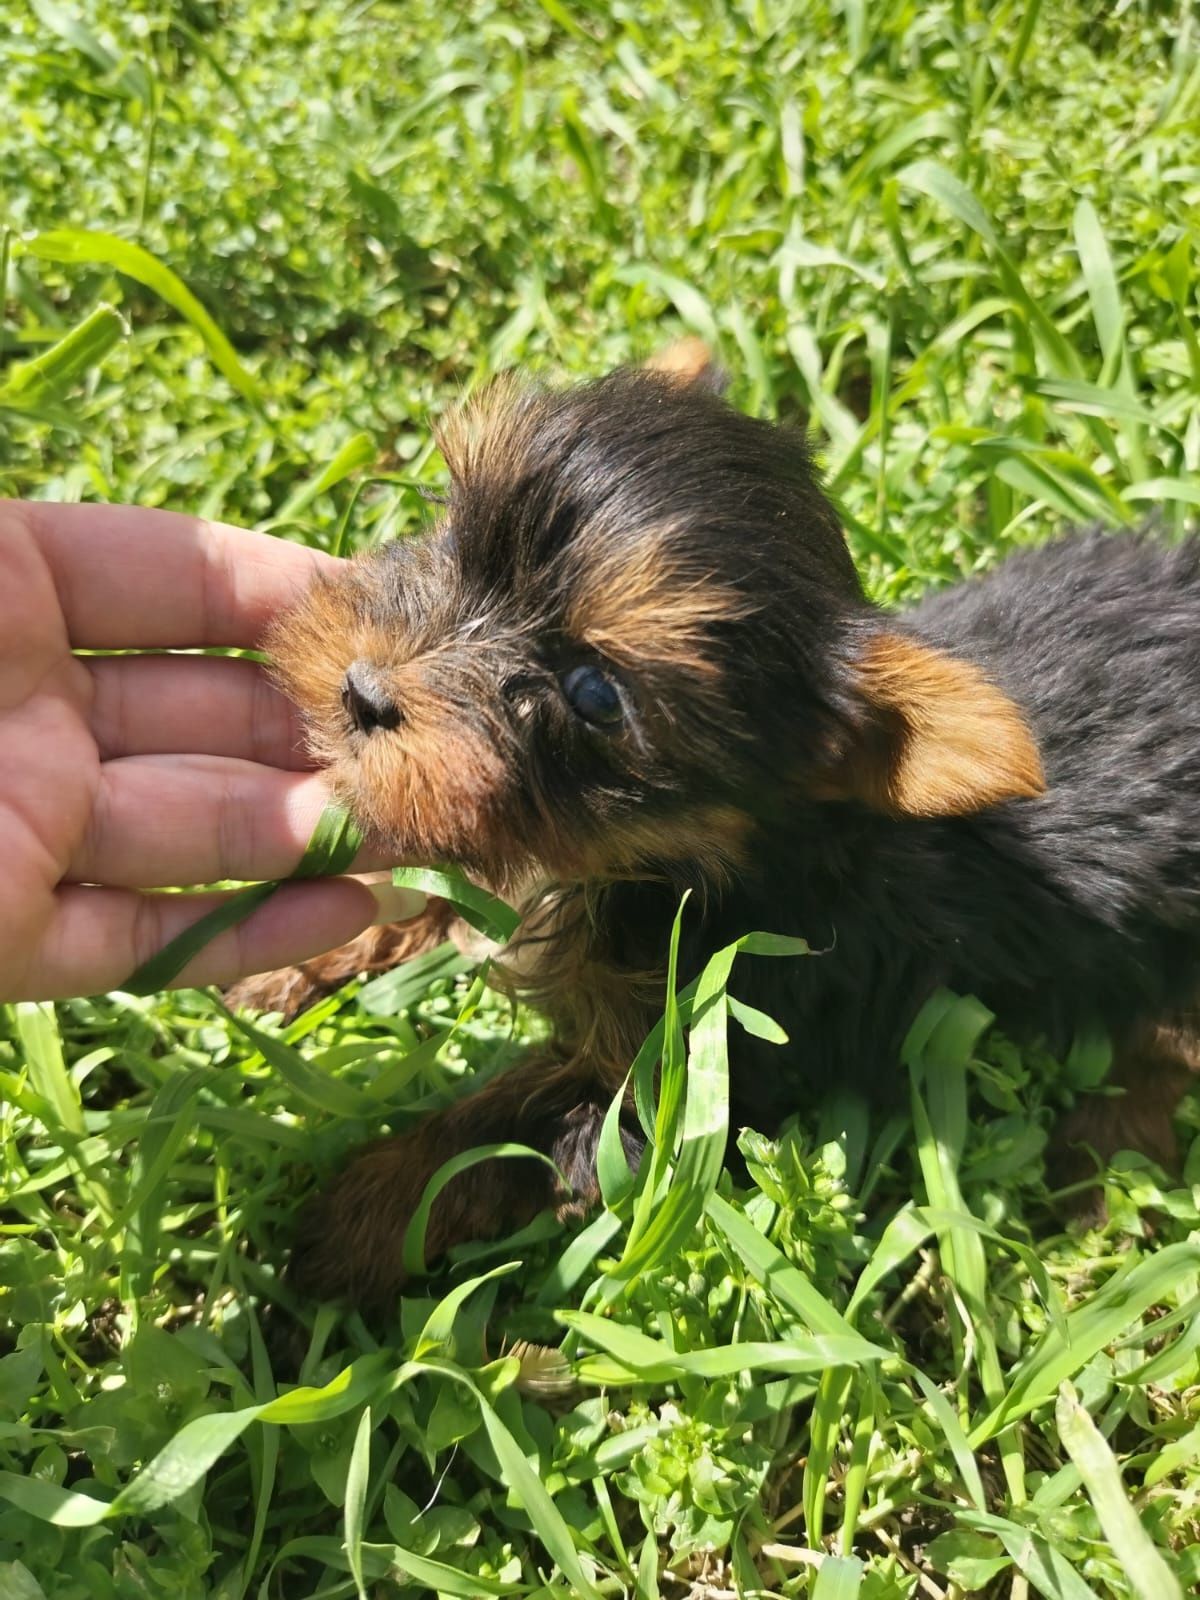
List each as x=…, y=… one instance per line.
x=351, y=1236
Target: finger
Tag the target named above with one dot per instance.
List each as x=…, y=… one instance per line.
x=131, y=578
x=200, y=705
x=98, y=938
x=164, y=821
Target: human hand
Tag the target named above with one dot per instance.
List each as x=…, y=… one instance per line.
x=123, y=773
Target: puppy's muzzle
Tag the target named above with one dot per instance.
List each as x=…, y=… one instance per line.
x=368, y=698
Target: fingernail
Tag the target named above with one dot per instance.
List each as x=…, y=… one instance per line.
x=394, y=903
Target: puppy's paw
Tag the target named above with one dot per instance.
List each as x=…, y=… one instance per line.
x=288, y=991
x=291, y=990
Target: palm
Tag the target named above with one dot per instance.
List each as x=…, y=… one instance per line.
x=122, y=773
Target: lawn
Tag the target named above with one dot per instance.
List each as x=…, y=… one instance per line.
x=249, y=250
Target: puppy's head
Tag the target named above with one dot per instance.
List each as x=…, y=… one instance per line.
x=635, y=636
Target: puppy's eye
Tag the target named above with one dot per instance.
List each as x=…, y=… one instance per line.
x=592, y=695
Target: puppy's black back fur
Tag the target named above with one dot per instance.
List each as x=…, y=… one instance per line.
x=1077, y=907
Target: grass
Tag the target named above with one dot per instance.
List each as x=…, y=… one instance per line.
x=249, y=249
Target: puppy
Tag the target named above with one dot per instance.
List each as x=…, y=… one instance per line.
x=634, y=657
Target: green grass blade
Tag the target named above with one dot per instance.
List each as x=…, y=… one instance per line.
x=418, y=1227
x=357, y=1483
x=47, y=1502
x=1062, y=1352
x=705, y=1128
x=838, y=1578
x=358, y=451
x=393, y=992
x=161, y=970
x=960, y=1446
x=77, y=352
x=1046, y=1568
x=755, y=1022
x=1179, y=1453
x=947, y=1044
x=691, y=305
x=356, y=1385
x=522, y=1480
x=485, y=912
x=647, y=1570
x=436, y=1337
x=1101, y=280
x=579, y=1255
x=664, y=1049
x=906, y=1232
x=392, y=1562
x=931, y=178
x=314, y=1087
x=334, y=843
x=41, y=1044
x=854, y=1484
x=936, y=181
x=1140, y=1559
x=638, y=1356
x=774, y=1271
x=77, y=245
x=1158, y=490
x=824, y=1430
x=615, y=1180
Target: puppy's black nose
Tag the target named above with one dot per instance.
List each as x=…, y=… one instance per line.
x=367, y=699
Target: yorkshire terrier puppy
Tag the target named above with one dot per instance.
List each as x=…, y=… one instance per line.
x=634, y=656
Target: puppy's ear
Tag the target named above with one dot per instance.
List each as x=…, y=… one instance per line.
x=689, y=361
x=938, y=740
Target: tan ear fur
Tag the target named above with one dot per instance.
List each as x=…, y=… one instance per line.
x=689, y=360
x=945, y=741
